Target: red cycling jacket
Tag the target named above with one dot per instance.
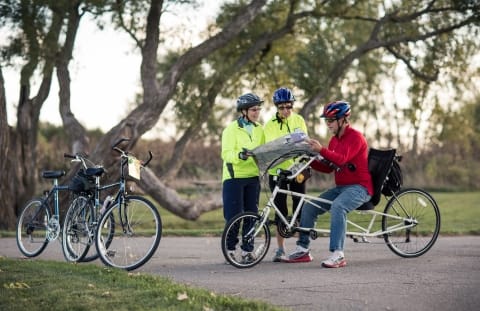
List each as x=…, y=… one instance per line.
x=350, y=153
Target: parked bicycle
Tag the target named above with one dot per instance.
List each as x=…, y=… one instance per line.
x=409, y=223
x=129, y=230
x=81, y=219
x=39, y=222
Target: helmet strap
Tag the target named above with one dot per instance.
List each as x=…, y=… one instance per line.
x=341, y=128
x=245, y=117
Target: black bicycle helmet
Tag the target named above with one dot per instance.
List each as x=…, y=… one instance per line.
x=248, y=100
x=283, y=95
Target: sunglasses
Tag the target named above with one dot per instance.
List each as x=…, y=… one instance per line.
x=330, y=120
x=285, y=107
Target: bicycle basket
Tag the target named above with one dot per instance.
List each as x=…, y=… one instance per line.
x=82, y=182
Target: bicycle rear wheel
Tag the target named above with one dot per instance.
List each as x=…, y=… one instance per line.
x=413, y=218
x=254, y=238
x=78, y=229
x=110, y=227
x=137, y=233
x=32, y=230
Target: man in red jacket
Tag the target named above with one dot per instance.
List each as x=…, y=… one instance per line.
x=348, y=150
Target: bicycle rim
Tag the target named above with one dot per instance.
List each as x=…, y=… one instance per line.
x=32, y=230
x=136, y=235
x=245, y=240
x=78, y=229
x=418, y=227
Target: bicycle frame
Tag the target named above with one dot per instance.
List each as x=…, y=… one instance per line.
x=363, y=231
x=53, y=222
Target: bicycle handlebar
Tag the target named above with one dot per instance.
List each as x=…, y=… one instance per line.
x=329, y=163
x=77, y=158
x=124, y=153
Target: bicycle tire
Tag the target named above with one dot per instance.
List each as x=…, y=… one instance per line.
x=93, y=255
x=418, y=227
x=32, y=231
x=137, y=234
x=259, y=238
x=77, y=234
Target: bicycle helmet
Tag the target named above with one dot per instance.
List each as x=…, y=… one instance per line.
x=248, y=100
x=336, y=110
x=283, y=95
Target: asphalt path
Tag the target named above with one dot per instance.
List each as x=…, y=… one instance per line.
x=445, y=278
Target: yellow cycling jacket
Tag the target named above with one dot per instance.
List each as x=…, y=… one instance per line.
x=277, y=127
x=234, y=138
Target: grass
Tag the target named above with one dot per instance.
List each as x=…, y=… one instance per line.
x=48, y=285
x=44, y=285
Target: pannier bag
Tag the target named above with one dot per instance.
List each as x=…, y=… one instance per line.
x=394, y=180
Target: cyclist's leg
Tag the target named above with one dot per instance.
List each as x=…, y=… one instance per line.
x=232, y=193
x=350, y=198
x=310, y=214
x=280, y=201
x=297, y=187
x=251, y=193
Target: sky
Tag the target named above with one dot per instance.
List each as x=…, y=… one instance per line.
x=105, y=71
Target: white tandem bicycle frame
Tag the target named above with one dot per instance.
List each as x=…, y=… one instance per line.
x=410, y=223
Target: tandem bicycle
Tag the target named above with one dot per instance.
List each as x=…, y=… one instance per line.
x=409, y=223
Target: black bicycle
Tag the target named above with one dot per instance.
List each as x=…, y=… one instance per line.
x=81, y=219
x=129, y=230
x=39, y=222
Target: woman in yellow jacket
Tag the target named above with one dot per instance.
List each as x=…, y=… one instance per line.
x=284, y=122
x=240, y=180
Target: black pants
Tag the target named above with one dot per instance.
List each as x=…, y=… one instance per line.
x=281, y=198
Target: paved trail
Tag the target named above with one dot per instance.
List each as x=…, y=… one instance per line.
x=445, y=278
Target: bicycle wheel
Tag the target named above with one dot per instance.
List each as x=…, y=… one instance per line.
x=253, y=233
x=78, y=229
x=109, y=230
x=412, y=222
x=32, y=230
x=137, y=234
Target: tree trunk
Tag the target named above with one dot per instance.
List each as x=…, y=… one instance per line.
x=7, y=191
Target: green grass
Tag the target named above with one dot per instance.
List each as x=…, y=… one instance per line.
x=48, y=285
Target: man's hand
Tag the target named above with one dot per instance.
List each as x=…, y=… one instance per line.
x=315, y=145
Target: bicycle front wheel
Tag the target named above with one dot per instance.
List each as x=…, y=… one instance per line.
x=245, y=240
x=412, y=222
x=78, y=229
x=137, y=233
x=32, y=228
